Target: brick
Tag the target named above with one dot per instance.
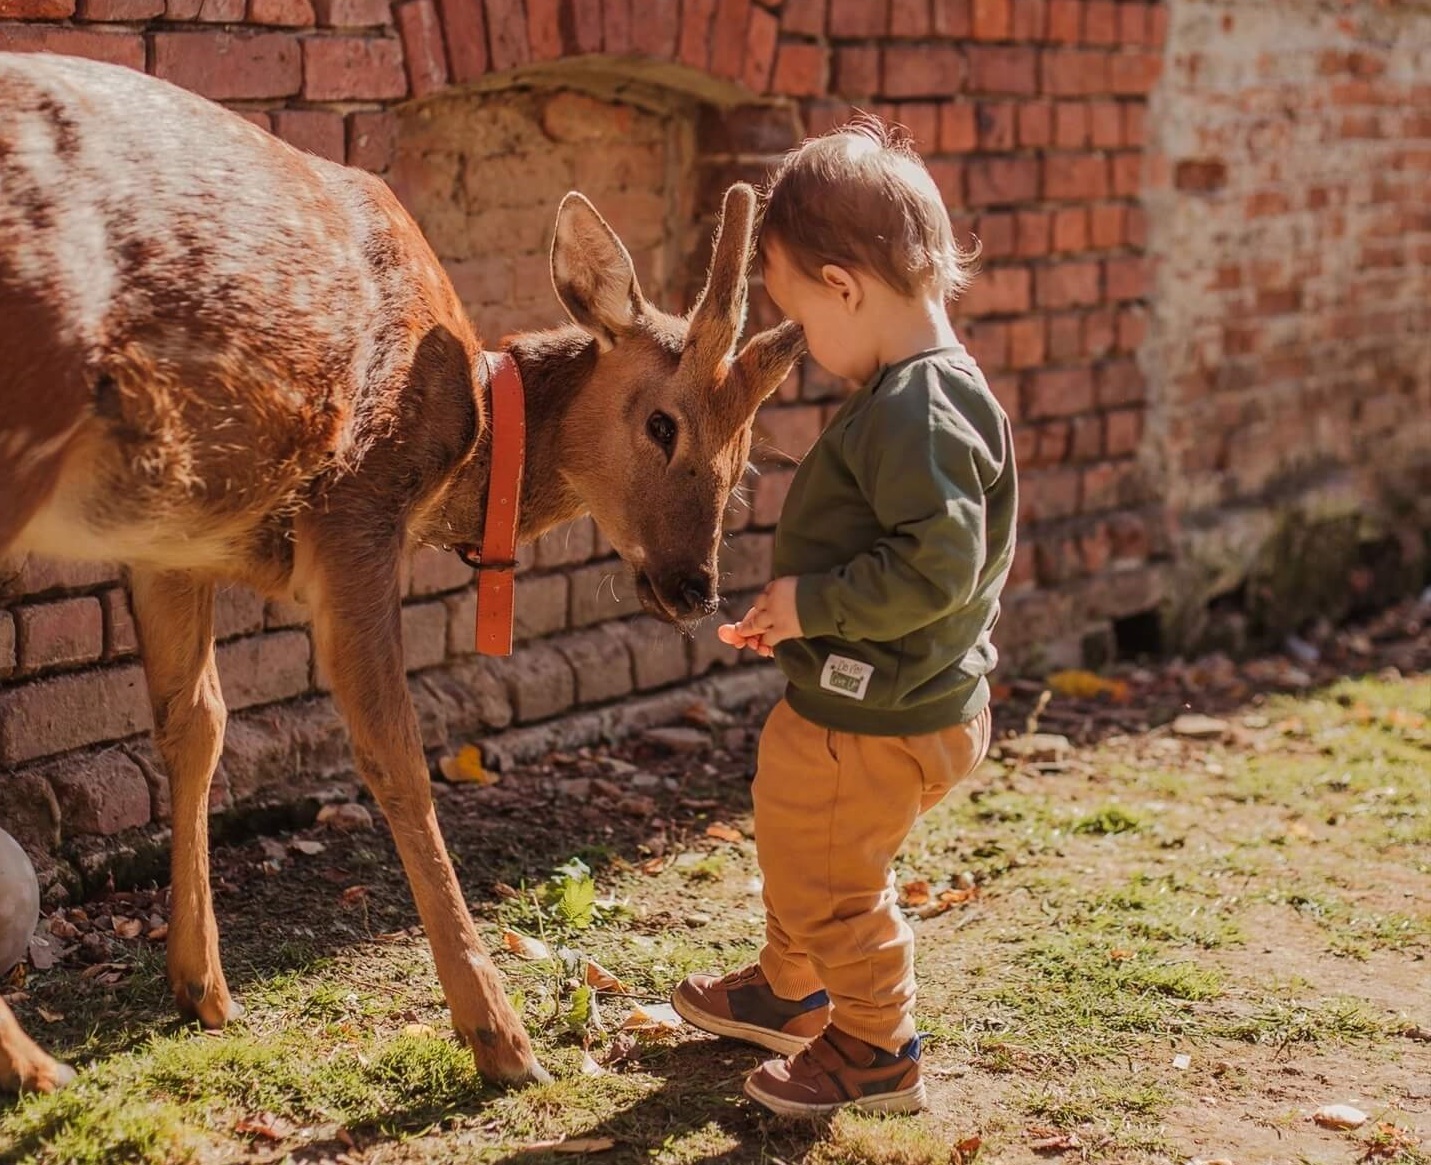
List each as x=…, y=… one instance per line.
x=1048, y=494
x=921, y=119
x=600, y=592
x=8, y=655
x=800, y=69
x=118, y=48
x=995, y=234
x=1028, y=20
x=464, y=25
x=601, y=662
x=353, y=13
x=36, y=9
x=1070, y=229
x=586, y=30
x=658, y=31
x=29, y=810
x=228, y=66
x=69, y=631
x=858, y=18
x=1005, y=390
x=998, y=291
x=1110, y=485
x=1128, y=538
x=372, y=136
x=120, y=636
x=1106, y=225
x=997, y=127
x=1070, y=125
x=732, y=19
x=856, y=70
x=932, y=70
x=352, y=68
x=544, y=29
x=1105, y=121
x=1120, y=382
x=615, y=26
x=539, y=681
x=771, y=488
x=1133, y=22
x=957, y=127
x=694, y=46
x=1067, y=285
x=1003, y=69
x=1132, y=328
x=1075, y=177
x=1065, y=336
x=423, y=52
x=432, y=571
x=221, y=11
x=424, y=635
x=1200, y=175
x=1156, y=33
x=911, y=18
x=953, y=18
x=988, y=343
x=507, y=33
x=282, y=13
x=1002, y=181
x=1125, y=431
x=1033, y=233
x=1087, y=439
x=1059, y=392
x=54, y=715
x=1100, y=329
x=791, y=430
x=237, y=611
x=990, y=19
x=1065, y=21
x=1051, y=444
x=658, y=653
x=542, y=605
x=1075, y=73
x=1135, y=124
x=103, y=794
x=806, y=17
x=1027, y=342
x=745, y=562
x=117, y=10
x=263, y=669
x=762, y=39
x=318, y=131
x=1126, y=278
x=1035, y=124
x=1100, y=22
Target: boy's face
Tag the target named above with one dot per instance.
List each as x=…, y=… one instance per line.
x=828, y=309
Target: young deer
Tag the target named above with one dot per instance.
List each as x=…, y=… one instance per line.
x=221, y=358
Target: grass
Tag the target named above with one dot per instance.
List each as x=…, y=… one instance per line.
x=1143, y=907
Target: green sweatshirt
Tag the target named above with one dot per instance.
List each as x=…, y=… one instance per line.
x=900, y=527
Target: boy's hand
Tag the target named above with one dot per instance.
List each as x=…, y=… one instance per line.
x=773, y=618
x=731, y=634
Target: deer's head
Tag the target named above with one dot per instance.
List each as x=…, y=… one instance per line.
x=659, y=435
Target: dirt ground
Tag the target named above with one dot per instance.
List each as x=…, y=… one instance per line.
x=1140, y=939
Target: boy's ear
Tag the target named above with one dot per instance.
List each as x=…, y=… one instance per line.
x=844, y=283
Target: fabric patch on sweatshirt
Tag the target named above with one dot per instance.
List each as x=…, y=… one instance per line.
x=845, y=676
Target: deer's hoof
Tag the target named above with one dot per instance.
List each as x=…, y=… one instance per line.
x=212, y=1006
x=42, y=1074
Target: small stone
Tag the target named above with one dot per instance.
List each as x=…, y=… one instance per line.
x=671, y=784
x=604, y=788
x=575, y=788
x=637, y=806
x=678, y=739
x=1041, y=746
x=695, y=920
x=1195, y=726
x=618, y=766
x=345, y=817
x=645, y=781
x=1339, y=1116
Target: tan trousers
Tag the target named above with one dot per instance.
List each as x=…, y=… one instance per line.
x=832, y=810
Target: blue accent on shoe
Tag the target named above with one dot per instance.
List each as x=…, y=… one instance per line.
x=815, y=999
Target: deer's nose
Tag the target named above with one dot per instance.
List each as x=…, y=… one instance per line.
x=696, y=592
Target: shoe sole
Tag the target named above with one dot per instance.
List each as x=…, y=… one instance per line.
x=750, y=1033
x=910, y=1099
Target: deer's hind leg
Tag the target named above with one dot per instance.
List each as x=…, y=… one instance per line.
x=24, y=1066
x=174, y=613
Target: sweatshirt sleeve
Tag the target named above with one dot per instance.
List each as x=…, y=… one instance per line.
x=918, y=466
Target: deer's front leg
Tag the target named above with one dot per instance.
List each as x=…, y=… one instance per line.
x=24, y=1066
x=174, y=614
x=357, y=622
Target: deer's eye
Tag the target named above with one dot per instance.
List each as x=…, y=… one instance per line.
x=662, y=430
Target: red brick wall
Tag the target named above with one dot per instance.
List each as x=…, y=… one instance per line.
x=1290, y=226
x=1144, y=392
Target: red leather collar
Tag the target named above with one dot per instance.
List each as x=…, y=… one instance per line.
x=496, y=561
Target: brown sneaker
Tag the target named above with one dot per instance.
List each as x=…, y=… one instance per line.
x=838, y=1070
x=741, y=1005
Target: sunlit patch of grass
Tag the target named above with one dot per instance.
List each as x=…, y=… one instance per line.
x=1110, y=819
x=1281, y=1022
x=854, y=1139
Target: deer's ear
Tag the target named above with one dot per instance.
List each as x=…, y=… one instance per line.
x=719, y=313
x=592, y=272
x=763, y=364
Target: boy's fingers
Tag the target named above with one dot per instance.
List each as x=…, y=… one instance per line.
x=729, y=633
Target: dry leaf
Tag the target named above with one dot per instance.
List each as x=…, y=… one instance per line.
x=102, y=969
x=49, y=1016
x=600, y=978
x=127, y=927
x=311, y=848
x=466, y=767
x=653, y=1019
x=353, y=895
x=915, y=893
x=1119, y=955
x=1058, y=1143
x=1340, y=1116
x=969, y=1147
x=654, y=865
x=265, y=1124
x=345, y=817
x=421, y=1031
x=159, y=933
x=1084, y=685
x=590, y=1067
x=524, y=947
x=724, y=832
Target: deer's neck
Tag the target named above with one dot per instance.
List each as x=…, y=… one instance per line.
x=554, y=366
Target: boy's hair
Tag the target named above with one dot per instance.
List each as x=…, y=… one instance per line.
x=860, y=197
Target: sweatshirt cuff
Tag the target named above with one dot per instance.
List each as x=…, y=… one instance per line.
x=812, y=606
